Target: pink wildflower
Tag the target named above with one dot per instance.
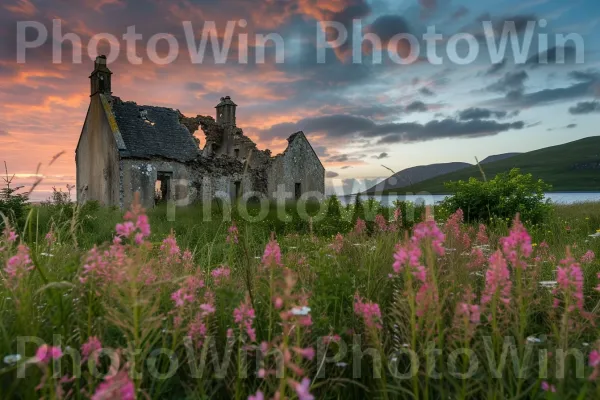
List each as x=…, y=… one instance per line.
x=477, y=258
x=360, y=227
x=244, y=316
x=303, y=390
x=170, y=249
x=471, y=311
x=381, y=223
x=429, y=230
x=594, y=362
x=452, y=226
x=18, y=265
x=338, y=243
x=272, y=254
x=221, y=274
x=369, y=312
x=93, y=344
x=497, y=280
x=46, y=353
x=406, y=256
x=517, y=245
x=258, y=396
x=308, y=353
x=118, y=387
x=546, y=387
x=232, y=234
x=570, y=282
x=482, y=237
x=588, y=257
x=11, y=236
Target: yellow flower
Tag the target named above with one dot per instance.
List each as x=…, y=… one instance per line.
x=533, y=244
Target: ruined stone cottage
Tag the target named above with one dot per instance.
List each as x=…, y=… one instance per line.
x=126, y=148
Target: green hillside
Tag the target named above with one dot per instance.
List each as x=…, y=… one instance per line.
x=573, y=166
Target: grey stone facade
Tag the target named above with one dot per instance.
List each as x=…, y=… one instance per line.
x=126, y=148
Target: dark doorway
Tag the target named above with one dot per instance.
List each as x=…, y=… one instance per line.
x=298, y=190
x=162, y=187
x=238, y=189
x=237, y=153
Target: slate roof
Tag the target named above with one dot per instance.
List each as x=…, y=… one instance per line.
x=153, y=132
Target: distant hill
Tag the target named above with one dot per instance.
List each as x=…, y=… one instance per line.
x=413, y=175
x=497, y=157
x=410, y=176
x=573, y=166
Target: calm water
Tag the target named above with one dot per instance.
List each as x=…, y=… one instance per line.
x=560, y=198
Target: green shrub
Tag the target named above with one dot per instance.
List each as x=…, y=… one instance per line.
x=502, y=197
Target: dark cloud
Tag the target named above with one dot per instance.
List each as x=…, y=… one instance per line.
x=339, y=158
x=495, y=68
x=426, y=92
x=331, y=174
x=381, y=156
x=416, y=106
x=480, y=113
x=571, y=126
x=585, y=107
x=3, y=133
x=351, y=127
x=387, y=26
x=554, y=55
x=511, y=82
x=448, y=128
x=346, y=167
x=587, y=82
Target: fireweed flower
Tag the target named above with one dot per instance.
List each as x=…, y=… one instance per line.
x=88, y=348
x=360, y=227
x=170, y=250
x=118, y=387
x=19, y=265
x=220, y=274
x=477, y=258
x=303, y=390
x=50, y=238
x=244, y=316
x=429, y=231
x=588, y=257
x=452, y=225
x=338, y=243
x=546, y=387
x=594, y=362
x=272, y=255
x=46, y=353
x=369, y=312
x=407, y=255
x=258, y=396
x=482, y=237
x=497, y=280
x=570, y=284
x=232, y=234
x=381, y=223
x=517, y=244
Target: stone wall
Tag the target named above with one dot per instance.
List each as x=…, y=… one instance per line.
x=97, y=159
x=141, y=176
x=298, y=164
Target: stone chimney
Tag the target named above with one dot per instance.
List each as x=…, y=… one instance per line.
x=100, y=79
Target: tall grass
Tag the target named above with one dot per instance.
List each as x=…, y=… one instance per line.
x=94, y=304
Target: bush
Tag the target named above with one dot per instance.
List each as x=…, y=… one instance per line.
x=12, y=204
x=502, y=197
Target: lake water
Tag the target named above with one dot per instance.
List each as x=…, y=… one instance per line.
x=430, y=199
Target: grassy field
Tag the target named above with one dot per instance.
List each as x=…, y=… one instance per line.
x=202, y=307
x=569, y=167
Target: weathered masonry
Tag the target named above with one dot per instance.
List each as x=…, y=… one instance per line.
x=126, y=148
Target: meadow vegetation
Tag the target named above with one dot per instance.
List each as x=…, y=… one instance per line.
x=357, y=301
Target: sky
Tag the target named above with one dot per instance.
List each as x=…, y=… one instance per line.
x=361, y=114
